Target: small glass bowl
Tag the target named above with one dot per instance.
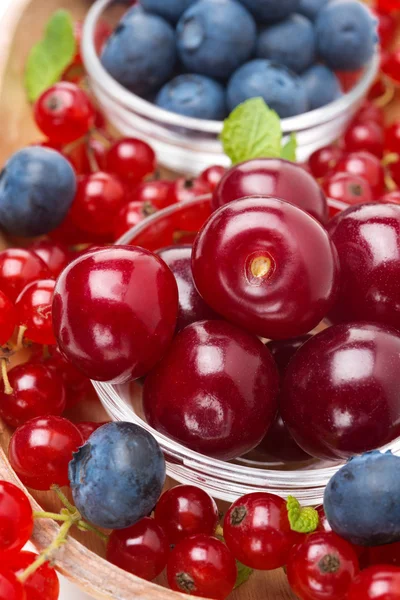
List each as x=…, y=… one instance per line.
x=228, y=481
x=188, y=145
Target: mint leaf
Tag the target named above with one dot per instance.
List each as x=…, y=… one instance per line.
x=243, y=574
x=302, y=520
x=50, y=57
x=289, y=149
x=252, y=130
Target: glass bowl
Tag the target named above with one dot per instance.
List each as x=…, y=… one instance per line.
x=188, y=145
x=228, y=481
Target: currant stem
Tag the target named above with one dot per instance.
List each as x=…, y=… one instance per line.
x=7, y=387
x=83, y=526
x=41, y=514
x=20, y=338
x=388, y=94
x=63, y=498
x=94, y=165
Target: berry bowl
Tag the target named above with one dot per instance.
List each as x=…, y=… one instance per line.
x=189, y=145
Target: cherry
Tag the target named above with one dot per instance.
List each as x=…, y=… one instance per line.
x=10, y=587
x=367, y=166
x=186, y=510
x=8, y=318
x=37, y=392
x=142, y=549
x=367, y=239
x=391, y=66
x=16, y=520
x=364, y=135
x=348, y=188
x=64, y=112
x=18, y=267
x=267, y=266
x=322, y=161
x=272, y=177
x=87, y=428
x=227, y=390
x=192, y=307
x=390, y=197
x=336, y=384
x=392, y=137
x=55, y=255
x=212, y=176
x=130, y=215
x=380, y=582
x=98, y=199
x=202, y=566
x=322, y=567
x=34, y=311
x=131, y=159
x=284, y=350
x=387, y=25
x=369, y=111
x=43, y=584
x=114, y=312
x=154, y=195
x=257, y=531
x=186, y=190
x=41, y=449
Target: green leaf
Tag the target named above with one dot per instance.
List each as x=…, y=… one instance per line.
x=243, y=574
x=50, y=57
x=302, y=520
x=289, y=149
x=252, y=130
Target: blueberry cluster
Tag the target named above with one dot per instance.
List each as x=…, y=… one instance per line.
x=201, y=58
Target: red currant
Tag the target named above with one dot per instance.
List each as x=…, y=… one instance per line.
x=101, y=34
x=212, y=176
x=41, y=449
x=366, y=136
x=367, y=166
x=87, y=157
x=43, y=584
x=87, y=428
x=130, y=215
x=64, y=112
x=19, y=267
x=348, y=188
x=387, y=6
x=153, y=194
x=369, y=111
x=34, y=311
x=142, y=549
x=16, y=520
x=202, y=566
x=37, y=392
x=390, y=198
x=8, y=318
x=392, y=137
x=389, y=554
x=186, y=510
x=186, y=190
x=323, y=525
x=380, y=582
x=55, y=255
x=394, y=169
x=10, y=587
x=77, y=386
x=387, y=25
x=322, y=567
x=391, y=66
x=131, y=159
x=322, y=161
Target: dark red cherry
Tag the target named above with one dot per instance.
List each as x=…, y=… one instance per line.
x=339, y=395
x=367, y=239
x=284, y=350
x=272, y=177
x=226, y=382
x=192, y=307
x=115, y=311
x=367, y=166
x=267, y=266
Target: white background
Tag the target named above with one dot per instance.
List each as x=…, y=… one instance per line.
x=68, y=592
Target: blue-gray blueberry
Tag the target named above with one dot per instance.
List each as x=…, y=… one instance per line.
x=322, y=86
x=194, y=96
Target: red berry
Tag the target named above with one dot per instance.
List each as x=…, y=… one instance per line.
x=87, y=428
x=8, y=318
x=348, y=79
x=186, y=510
x=387, y=6
x=87, y=157
x=186, y=190
x=366, y=136
x=376, y=583
x=394, y=170
x=10, y=587
x=153, y=194
x=348, y=188
x=54, y=254
x=77, y=386
x=367, y=166
x=324, y=160
x=391, y=66
x=389, y=554
x=392, y=137
x=202, y=566
x=390, y=198
x=41, y=449
x=130, y=215
x=212, y=176
x=322, y=567
x=387, y=25
x=43, y=584
x=142, y=549
x=131, y=159
x=34, y=311
x=258, y=532
x=102, y=33
x=369, y=111
x=64, y=112
x=16, y=520
x=19, y=267
x=98, y=199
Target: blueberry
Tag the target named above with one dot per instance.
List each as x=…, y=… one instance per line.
x=171, y=10
x=194, y=96
x=311, y=8
x=117, y=476
x=281, y=89
x=215, y=37
x=268, y=11
x=141, y=53
x=346, y=35
x=361, y=500
x=290, y=43
x=37, y=187
x=322, y=86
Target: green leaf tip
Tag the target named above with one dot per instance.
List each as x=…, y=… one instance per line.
x=50, y=57
x=243, y=574
x=289, y=149
x=302, y=520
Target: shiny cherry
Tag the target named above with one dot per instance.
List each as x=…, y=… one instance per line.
x=335, y=386
x=367, y=166
x=367, y=239
x=192, y=307
x=227, y=390
x=37, y=392
x=212, y=176
x=381, y=582
x=115, y=311
x=266, y=265
x=348, y=188
x=272, y=177
x=87, y=428
x=8, y=318
x=34, y=311
x=16, y=520
x=10, y=587
x=322, y=161
x=365, y=135
x=55, y=255
x=131, y=159
x=41, y=449
x=18, y=267
x=186, y=510
x=43, y=584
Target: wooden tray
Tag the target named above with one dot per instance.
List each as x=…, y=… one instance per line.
x=81, y=558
